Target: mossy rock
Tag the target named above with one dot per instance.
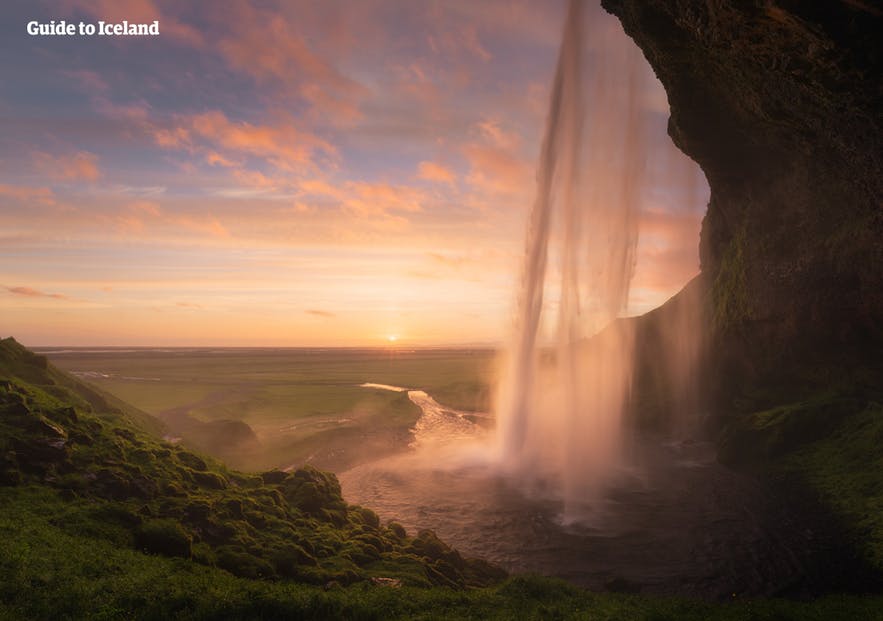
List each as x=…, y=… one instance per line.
x=274, y=477
x=397, y=530
x=211, y=480
x=428, y=545
x=242, y=564
x=164, y=536
x=191, y=461
x=289, y=560
x=363, y=515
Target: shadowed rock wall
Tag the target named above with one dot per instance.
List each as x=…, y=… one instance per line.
x=780, y=104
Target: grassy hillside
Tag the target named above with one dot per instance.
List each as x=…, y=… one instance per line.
x=123, y=485
x=99, y=519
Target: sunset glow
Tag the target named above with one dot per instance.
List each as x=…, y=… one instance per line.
x=289, y=173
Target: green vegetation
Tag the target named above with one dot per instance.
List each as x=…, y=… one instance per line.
x=99, y=519
x=49, y=569
x=123, y=485
x=303, y=405
x=729, y=293
x=830, y=445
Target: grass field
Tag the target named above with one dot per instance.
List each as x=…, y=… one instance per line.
x=304, y=405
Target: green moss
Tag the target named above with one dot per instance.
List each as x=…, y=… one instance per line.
x=729, y=293
x=50, y=573
x=165, y=537
x=846, y=469
x=832, y=446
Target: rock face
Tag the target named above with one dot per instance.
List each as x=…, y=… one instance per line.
x=780, y=103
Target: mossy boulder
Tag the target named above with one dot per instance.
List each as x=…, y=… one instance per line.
x=164, y=536
x=240, y=563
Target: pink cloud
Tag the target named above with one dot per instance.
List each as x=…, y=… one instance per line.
x=28, y=194
x=267, y=46
x=497, y=170
x=430, y=171
x=75, y=167
x=282, y=145
x=35, y=293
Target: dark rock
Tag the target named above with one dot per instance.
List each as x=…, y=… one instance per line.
x=779, y=102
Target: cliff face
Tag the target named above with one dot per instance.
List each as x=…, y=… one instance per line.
x=780, y=104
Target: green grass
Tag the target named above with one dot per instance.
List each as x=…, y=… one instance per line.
x=846, y=469
x=302, y=404
x=126, y=486
x=831, y=446
x=48, y=571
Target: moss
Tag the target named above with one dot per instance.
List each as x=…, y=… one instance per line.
x=164, y=536
x=731, y=303
x=240, y=563
x=829, y=446
x=845, y=468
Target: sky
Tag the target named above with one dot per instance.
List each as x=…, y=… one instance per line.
x=291, y=173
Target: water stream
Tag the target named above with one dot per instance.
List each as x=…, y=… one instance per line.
x=679, y=523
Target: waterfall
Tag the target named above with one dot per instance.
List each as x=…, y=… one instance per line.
x=569, y=363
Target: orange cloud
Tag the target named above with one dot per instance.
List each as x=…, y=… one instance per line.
x=216, y=159
x=34, y=293
x=171, y=138
x=363, y=198
x=282, y=145
x=79, y=166
x=430, y=171
x=497, y=170
x=320, y=313
x=28, y=194
x=492, y=132
x=266, y=46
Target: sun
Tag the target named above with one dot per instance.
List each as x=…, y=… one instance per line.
x=392, y=338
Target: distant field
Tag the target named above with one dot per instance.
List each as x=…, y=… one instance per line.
x=303, y=404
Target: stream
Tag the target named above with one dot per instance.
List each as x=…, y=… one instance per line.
x=677, y=523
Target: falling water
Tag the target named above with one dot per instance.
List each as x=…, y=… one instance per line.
x=563, y=395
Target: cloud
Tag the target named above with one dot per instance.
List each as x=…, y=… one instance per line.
x=212, y=133
x=497, y=170
x=492, y=132
x=378, y=202
x=28, y=194
x=89, y=81
x=320, y=313
x=216, y=159
x=267, y=46
x=430, y=171
x=139, y=11
x=81, y=165
x=189, y=305
x=35, y=293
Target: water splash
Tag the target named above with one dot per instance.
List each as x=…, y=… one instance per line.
x=562, y=396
